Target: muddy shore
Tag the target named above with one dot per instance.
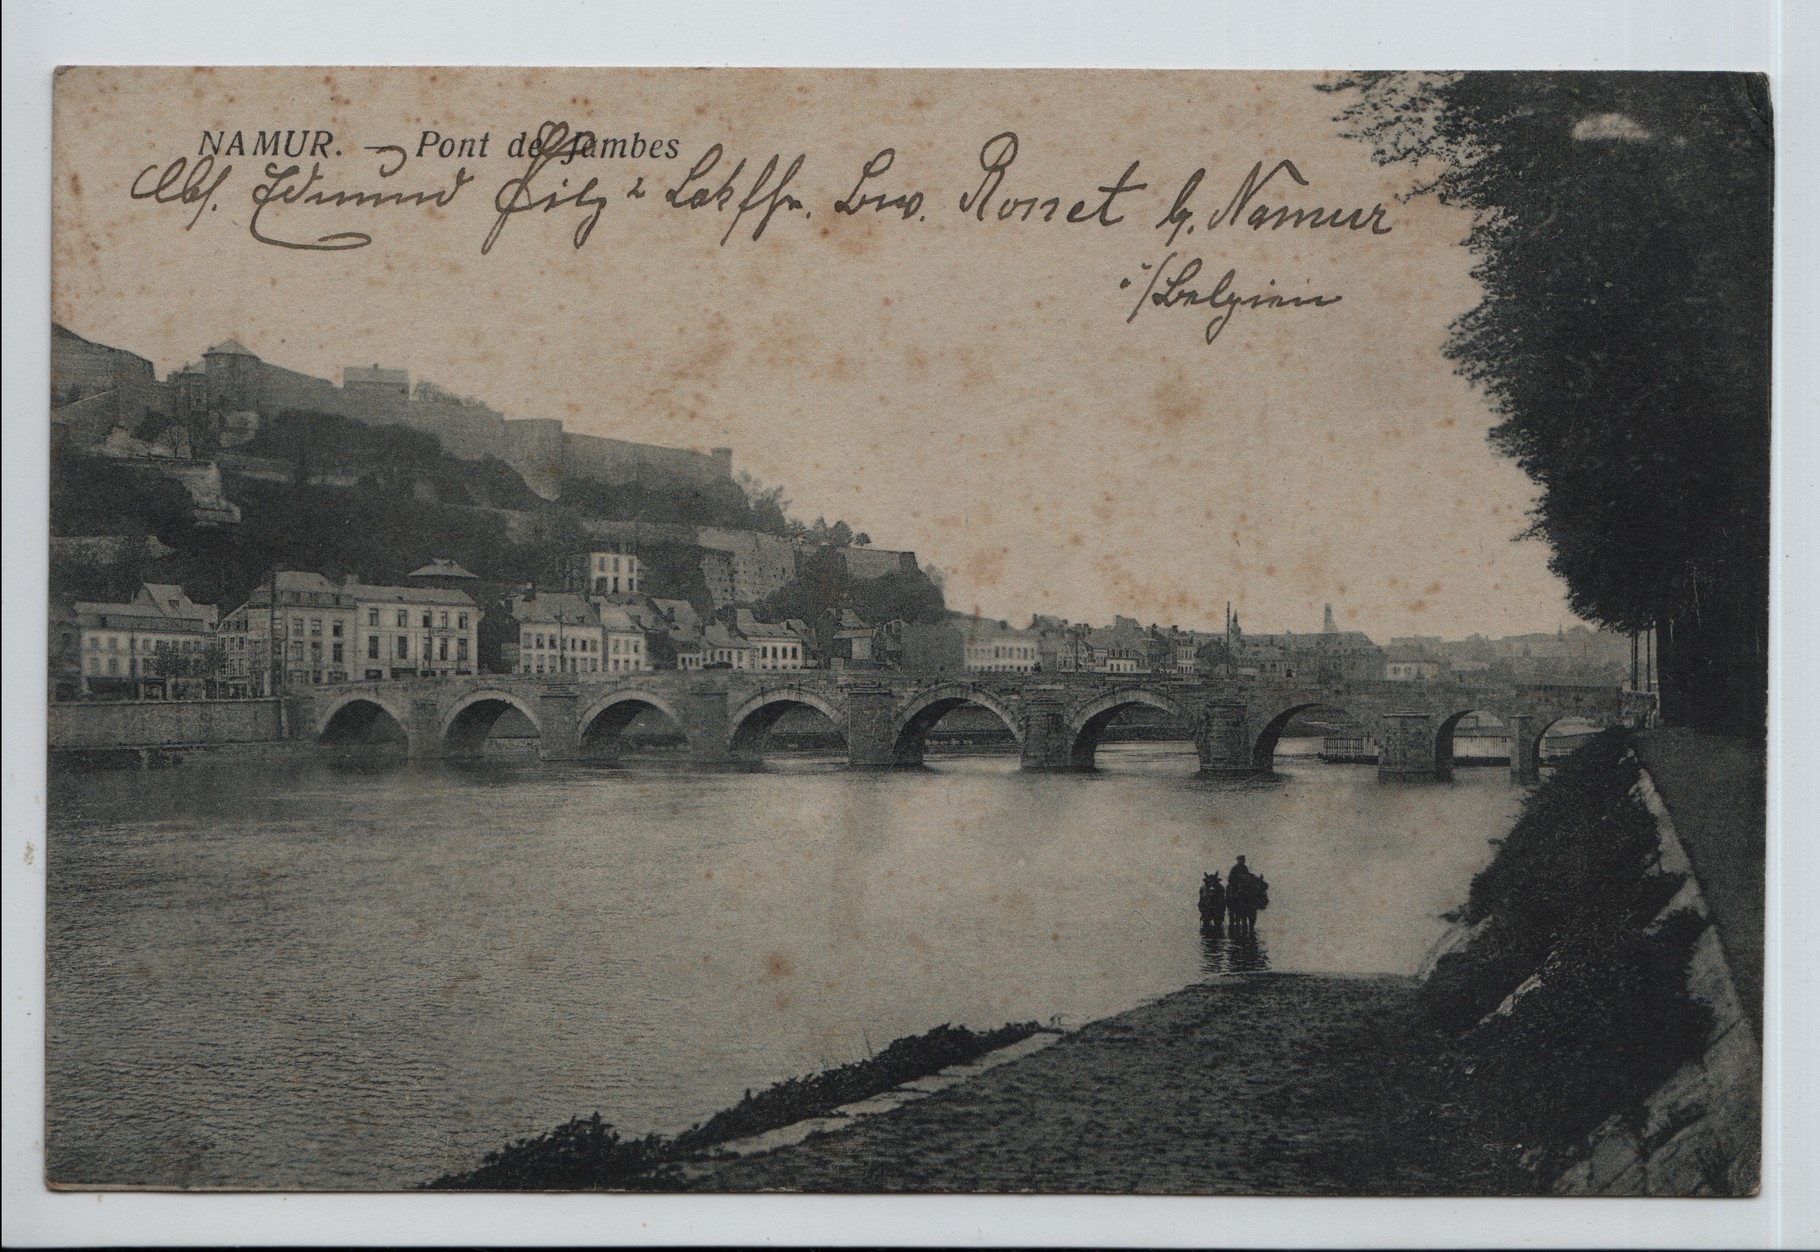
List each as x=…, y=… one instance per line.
x=1254, y=1084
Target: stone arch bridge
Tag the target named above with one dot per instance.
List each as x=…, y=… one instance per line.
x=885, y=716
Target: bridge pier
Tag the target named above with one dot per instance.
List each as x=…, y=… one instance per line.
x=703, y=710
x=871, y=743
x=558, y=719
x=1525, y=748
x=1048, y=743
x=1224, y=742
x=1406, y=748
x=423, y=733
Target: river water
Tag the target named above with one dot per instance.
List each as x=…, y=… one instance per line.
x=321, y=975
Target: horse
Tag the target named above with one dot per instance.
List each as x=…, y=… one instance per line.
x=1245, y=896
x=1213, y=902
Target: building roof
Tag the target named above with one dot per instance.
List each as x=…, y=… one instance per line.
x=717, y=635
x=156, y=606
x=230, y=347
x=615, y=620
x=748, y=625
x=681, y=614
x=370, y=593
x=441, y=567
x=555, y=607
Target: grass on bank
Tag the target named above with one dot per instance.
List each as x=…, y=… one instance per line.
x=1570, y=1001
x=588, y=1154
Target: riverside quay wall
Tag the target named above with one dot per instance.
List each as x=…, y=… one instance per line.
x=95, y=724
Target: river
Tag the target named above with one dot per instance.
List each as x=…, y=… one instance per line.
x=322, y=975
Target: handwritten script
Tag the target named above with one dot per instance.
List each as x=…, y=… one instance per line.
x=304, y=192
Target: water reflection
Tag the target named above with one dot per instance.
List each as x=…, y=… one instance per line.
x=1223, y=953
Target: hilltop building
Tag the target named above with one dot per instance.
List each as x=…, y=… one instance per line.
x=96, y=389
x=614, y=572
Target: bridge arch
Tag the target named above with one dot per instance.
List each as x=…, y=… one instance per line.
x=466, y=726
x=1264, y=746
x=751, y=721
x=1446, y=725
x=1549, y=719
x=362, y=717
x=1087, y=724
x=918, y=716
x=605, y=720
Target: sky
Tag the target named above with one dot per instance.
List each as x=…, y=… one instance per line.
x=994, y=394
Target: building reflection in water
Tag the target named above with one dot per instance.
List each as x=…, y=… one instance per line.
x=1222, y=953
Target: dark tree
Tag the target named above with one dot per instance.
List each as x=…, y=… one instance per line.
x=1622, y=230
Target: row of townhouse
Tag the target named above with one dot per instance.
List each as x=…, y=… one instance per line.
x=299, y=629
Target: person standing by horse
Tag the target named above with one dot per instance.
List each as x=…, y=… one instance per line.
x=1246, y=893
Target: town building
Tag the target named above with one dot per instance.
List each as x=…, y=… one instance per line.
x=155, y=642
x=723, y=648
x=1410, y=665
x=996, y=647
x=558, y=632
x=614, y=572
x=623, y=641
x=1121, y=648
x=413, y=632
x=444, y=573
x=303, y=638
x=678, y=644
x=774, y=645
x=844, y=639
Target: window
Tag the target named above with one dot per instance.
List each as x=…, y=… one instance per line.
x=113, y=665
x=373, y=647
x=461, y=649
x=335, y=629
x=113, y=643
x=335, y=653
x=372, y=617
x=403, y=619
x=426, y=619
x=462, y=620
x=316, y=626
x=296, y=625
x=94, y=643
x=404, y=647
x=442, y=650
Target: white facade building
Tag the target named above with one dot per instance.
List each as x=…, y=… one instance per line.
x=161, y=633
x=413, y=632
x=623, y=641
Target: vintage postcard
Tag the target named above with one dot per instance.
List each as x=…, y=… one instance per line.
x=938, y=631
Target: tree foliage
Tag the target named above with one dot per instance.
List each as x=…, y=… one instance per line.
x=1622, y=235
x=823, y=582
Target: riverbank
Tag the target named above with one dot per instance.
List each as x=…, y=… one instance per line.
x=1578, y=1032
x=1254, y=1084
